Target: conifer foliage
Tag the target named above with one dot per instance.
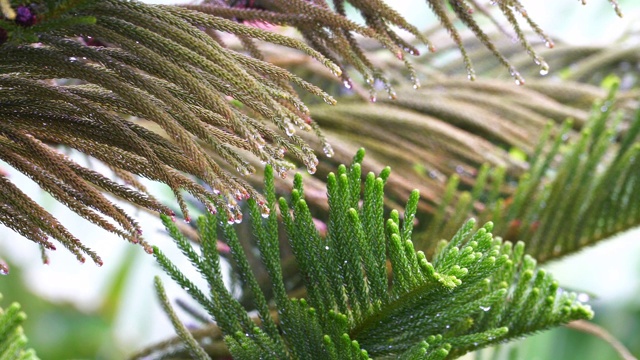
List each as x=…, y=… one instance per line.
x=595, y=168
x=79, y=73
x=12, y=339
x=369, y=294
x=123, y=61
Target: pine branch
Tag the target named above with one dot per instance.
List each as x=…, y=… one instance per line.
x=332, y=32
x=12, y=340
x=196, y=351
x=126, y=59
x=452, y=127
x=595, y=172
x=579, y=63
x=475, y=291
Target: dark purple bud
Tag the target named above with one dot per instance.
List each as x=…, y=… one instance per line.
x=91, y=41
x=25, y=16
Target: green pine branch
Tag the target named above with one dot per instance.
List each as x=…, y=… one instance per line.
x=369, y=294
x=12, y=340
x=559, y=206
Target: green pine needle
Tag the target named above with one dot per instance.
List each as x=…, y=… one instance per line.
x=474, y=292
x=12, y=340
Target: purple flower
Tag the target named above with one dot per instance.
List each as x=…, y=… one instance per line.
x=25, y=16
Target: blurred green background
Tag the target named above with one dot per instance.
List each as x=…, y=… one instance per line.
x=84, y=312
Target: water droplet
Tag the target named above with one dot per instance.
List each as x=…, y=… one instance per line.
x=416, y=82
x=238, y=218
x=289, y=129
x=544, y=68
x=4, y=268
x=311, y=169
x=304, y=127
x=264, y=211
x=516, y=75
x=471, y=75
x=485, y=308
x=328, y=150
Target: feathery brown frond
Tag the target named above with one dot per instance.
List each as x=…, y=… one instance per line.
x=449, y=126
x=327, y=28
x=123, y=61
